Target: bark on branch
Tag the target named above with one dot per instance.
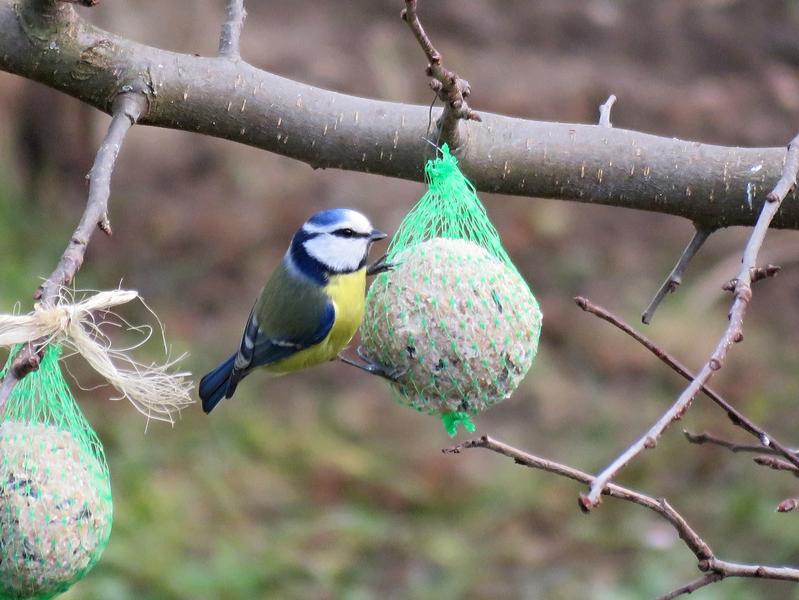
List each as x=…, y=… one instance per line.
x=713, y=186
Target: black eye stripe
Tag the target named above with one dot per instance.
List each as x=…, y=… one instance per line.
x=346, y=232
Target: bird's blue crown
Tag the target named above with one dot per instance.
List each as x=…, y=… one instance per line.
x=328, y=218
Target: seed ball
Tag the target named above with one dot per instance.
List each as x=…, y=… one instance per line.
x=459, y=326
x=55, y=510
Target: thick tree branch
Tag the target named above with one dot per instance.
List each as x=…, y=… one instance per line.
x=233, y=100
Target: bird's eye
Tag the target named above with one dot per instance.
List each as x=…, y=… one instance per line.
x=346, y=233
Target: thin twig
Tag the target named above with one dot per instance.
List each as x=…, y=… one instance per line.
x=604, y=111
x=764, y=272
x=757, y=274
x=772, y=462
x=713, y=568
x=732, y=334
x=709, y=438
x=767, y=442
x=675, y=277
x=230, y=39
x=728, y=569
x=660, y=506
x=451, y=89
x=706, y=579
x=127, y=110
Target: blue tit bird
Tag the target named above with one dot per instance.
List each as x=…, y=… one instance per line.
x=309, y=309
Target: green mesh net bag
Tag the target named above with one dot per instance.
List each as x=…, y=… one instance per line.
x=453, y=317
x=55, y=493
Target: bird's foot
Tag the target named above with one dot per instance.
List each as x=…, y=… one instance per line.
x=381, y=265
x=375, y=368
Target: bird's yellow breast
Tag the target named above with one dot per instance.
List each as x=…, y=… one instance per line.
x=347, y=292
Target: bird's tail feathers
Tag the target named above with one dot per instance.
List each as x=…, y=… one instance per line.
x=214, y=385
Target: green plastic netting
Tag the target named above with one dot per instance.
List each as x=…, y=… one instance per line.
x=453, y=316
x=55, y=493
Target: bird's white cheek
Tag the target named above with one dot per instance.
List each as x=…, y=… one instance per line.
x=337, y=254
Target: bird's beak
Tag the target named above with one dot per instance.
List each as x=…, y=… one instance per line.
x=376, y=235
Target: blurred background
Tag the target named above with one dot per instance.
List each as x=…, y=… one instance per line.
x=319, y=485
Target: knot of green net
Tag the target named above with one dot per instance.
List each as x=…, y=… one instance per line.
x=452, y=315
x=449, y=209
x=55, y=495
x=451, y=420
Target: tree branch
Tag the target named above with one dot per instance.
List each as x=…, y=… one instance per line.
x=732, y=334
x=604, y=111
x=714, y=569
x=229, y=40
x=660, y=506
x=451, y=89
x=772, y=462
x=767, y=441
x=127, y=109
x=233, y=100
x=708, y=438
x=675, y=277
x=692, y=587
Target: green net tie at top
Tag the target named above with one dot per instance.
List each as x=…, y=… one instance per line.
x=453, y=316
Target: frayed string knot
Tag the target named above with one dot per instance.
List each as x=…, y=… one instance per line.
x=152, y=389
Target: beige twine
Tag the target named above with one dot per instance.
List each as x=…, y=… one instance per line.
x=154, y=391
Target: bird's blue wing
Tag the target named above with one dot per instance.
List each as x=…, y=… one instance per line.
x=257, y=349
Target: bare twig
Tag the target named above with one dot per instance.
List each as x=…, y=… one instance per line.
x=757, y=274
x=675, y=277
x=709, y=438
x=761, y=273
x=713, y=568
x=767, y=442
x=660, y=506
x=604, y=111
x=728, y=569
x=692, y=587
x=82, y=2
x=229, y=40
x=451, y=89
x=772, y=462
x=128, y=108
x=732, y=334
x=27, y=360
